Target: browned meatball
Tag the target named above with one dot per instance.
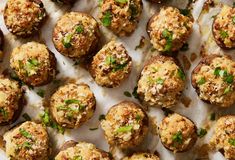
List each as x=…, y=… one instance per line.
x=213, y=80
x=24, y=17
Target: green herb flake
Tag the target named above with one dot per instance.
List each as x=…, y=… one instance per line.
x=224, y=34
x=201, y=81
x=138, y=117
x=227, y=90
x=217, y=71
x=229, y=79
x=26, y=117
x=71, y=101
x=107, y=18
x=79, y=29
x=181, y=74
x=160, y=81
x=33, y=62
x=101, y=117
x=4, y=113
x=185, y=12
x=24, y=133
x=233, y=19
x=178, y=137
x=212, y=116
x=121, y=1
x=201, y=132
x=77, y=158
x=231, y=141
x=41, y=93
x=110, y=60
x=124, y=129
x=93, y=129
x=27, y=145
x=168, y=35
x=127, y=94
x=67, y=40
x=134, y=93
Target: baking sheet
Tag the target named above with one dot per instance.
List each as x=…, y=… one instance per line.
x=197, y=111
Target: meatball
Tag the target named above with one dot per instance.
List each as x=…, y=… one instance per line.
x=161, y=82
x=224, y=136
x=169, y=29
x=111, y=65
x=24, y=17
x=81, y=151
x=125, y=125
x=177, y=133
x=72, y=105
x=142, y=156
x=27, y=141
x=1, y=44
x=121, y=17
x=33, y=63
x=76, y=35
x=11, y=100
x=224, y=28
x=213, y=80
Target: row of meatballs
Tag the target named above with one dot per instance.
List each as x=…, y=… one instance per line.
x=76, y=35
x=125, y=125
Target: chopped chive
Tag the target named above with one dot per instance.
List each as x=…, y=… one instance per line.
x=93, y=129
x=127, y=94
x=27, y=145
x=201, y=81
x=212, y=116
x=160, y=81
x=178, y=137
x=67, y=40
x=138, y=117
x=41, y=93
x=24, y=133
x=124, y=129
x=79, y=29
x=181, y=74
x=231, y=141
x=224, y=34
x=121, y=1
x=107, y=18
x=201, y=132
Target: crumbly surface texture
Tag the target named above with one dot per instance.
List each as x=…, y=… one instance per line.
x=28, y=141
x=111, y=65
x=169, y=29
x=24, y=17
x=76, y=35
x=161, y=82
x=224, y=136
x=33, y=63
x=224, y=27
x=72, y=105
x=121, y=17
x=10, y=99
x=82, y=151
x=177, y=133
x=125, y=125
x=142, y=156
x=213, y=80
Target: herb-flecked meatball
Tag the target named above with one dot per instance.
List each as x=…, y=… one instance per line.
x=76, y=35
x=224, y=136
x=72, y=105
x=213, y=80
x=125, y=125
x=161, y=82
x=81, y=151
x=169, y=29
x=224, y=27
x=27, y=141
x=177, y=133
x=142, y=156
x=24, y=17
x=121, y=16
x=111, y=65
x=33, y=63
x=11, y=100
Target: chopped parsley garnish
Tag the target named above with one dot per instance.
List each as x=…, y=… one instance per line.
x=71, y=101
x=77, y=158
x=124, y=129
x=224, y=34
x=229, y=79
x=185, y=12
x=47, y=121
x=27, y=145
x=121, y=1
x=168, y=35
x=26, y=117
x=79, y=29
x=227, y=90
x=201, y=81
x=127, y=94
x=181, y=74
x=233, y=19
x=201, y=132
x=101, y=117
x=24, y=133
x=224, y=74
x=93, y=129
x=160, y=81
x=212, y=116
x=30, y=66
x=107, y=18
x=178, y=137
x=231, y=141
x=138, y=117
x=4, y=113
x=134, y=93
x=109, y=60
x=67, y=40
x=41, y=93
